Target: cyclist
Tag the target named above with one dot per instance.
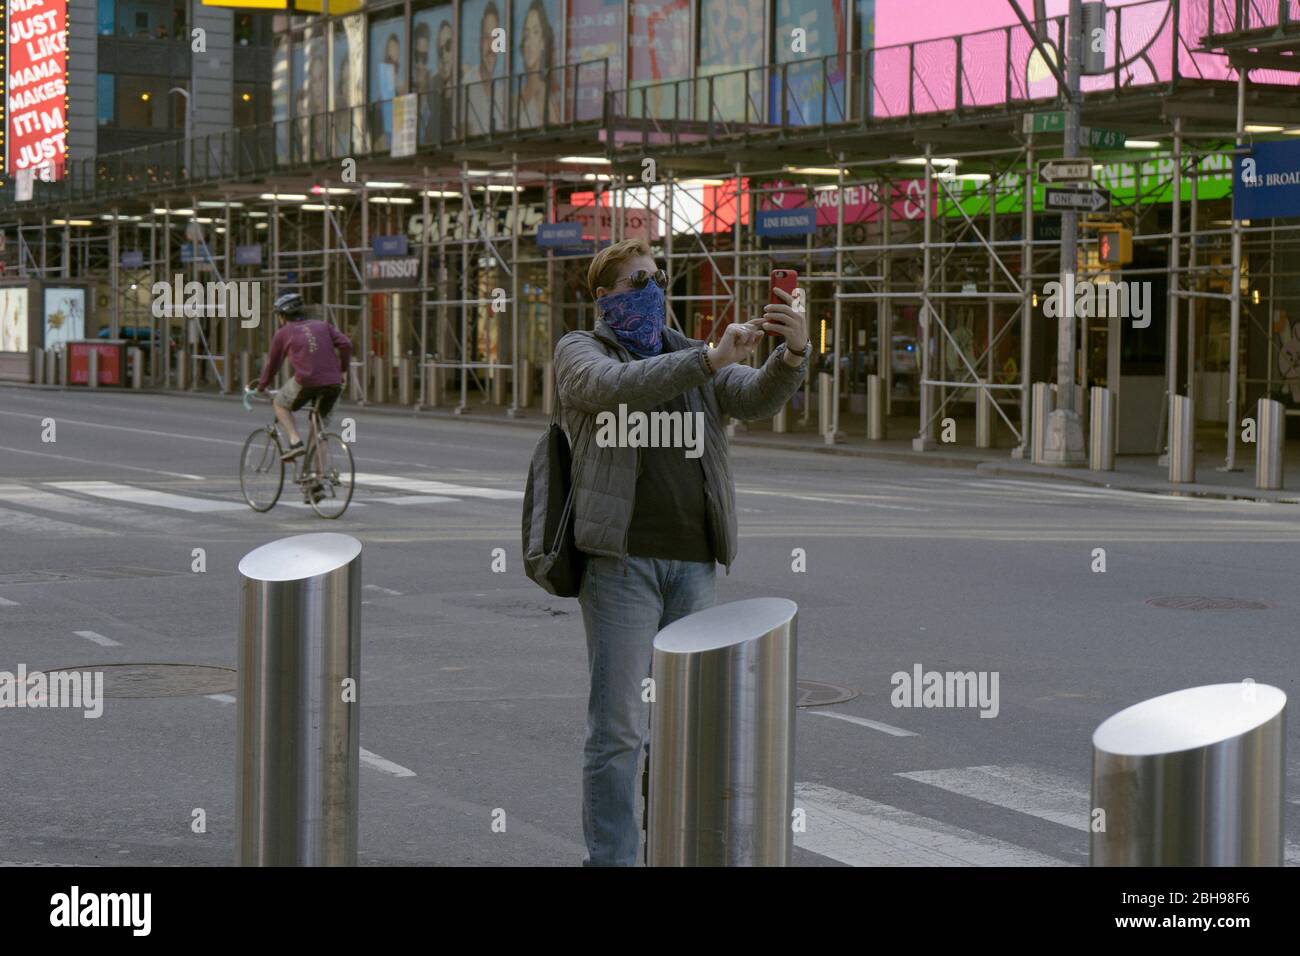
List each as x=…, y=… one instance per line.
x=318, y=374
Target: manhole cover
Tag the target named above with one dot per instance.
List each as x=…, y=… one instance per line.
x=1197, y=602
x=160, y=680
x=816, y=693
x=47, y=575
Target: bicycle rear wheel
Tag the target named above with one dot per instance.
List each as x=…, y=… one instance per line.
x=334, y=475
x=261, y=472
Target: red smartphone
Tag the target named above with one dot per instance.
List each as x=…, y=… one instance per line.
x=787, y=280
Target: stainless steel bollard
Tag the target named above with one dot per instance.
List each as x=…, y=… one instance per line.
x=1101, y=430
x=298, y=712
x=38, y=366
x=825, y=400
x=53, y=367
x=1270, y=431
x=1192, y=778
x=63, y=365
x=379, y=371
x=356, y=391
x=1182, y=440
x=722, y=731
x=499, y=390
x=1041, y=408
x=182, y=369
x=135, y=361
x=983, y=419
x=404, y=391
x=548, y=389
x=92, y=368
x=781, y=420
x=875, y=408
x=433, y=385
x=245, y=368
x=525, y=383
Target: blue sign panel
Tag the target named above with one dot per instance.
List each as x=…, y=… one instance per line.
x=786, y=222
x=248, y=255
x=194, y=250
x=132, y=259
x=1266, y=182
x=559, y=234
x=389, y=245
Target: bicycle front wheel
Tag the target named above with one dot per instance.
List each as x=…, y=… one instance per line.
x=261, y=472
x=334, y=477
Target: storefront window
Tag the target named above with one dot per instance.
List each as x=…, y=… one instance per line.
x=387, y=77
x=537, y=87
x=433, y=70
x=812, y=95
x=731, y=38
x=659, y=50
x=593, y=31
x=481, y=61
x=144, y=103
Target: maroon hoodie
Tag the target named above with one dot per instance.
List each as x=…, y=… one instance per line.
x=310, y=344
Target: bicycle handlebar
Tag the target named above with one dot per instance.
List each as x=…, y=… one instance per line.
x=250, y=391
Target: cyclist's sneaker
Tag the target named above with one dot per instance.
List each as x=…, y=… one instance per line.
x=295, y=450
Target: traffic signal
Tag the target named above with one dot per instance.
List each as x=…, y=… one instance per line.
x=1115, y=246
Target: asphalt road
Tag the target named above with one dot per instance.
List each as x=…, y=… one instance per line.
x=474, y=682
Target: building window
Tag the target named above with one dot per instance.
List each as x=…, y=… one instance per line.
x=106, y=23
x=104, y=98
x=144, y=103
x=246, y=103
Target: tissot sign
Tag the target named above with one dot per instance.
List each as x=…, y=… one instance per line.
x=36, y=88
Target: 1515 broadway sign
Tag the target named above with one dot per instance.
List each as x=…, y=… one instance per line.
x=36, y=89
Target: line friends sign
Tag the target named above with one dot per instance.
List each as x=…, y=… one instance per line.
x=36, y=86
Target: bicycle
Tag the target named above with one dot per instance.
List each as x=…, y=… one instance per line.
x=324, y=471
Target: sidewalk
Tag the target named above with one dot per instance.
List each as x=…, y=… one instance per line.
x=1139, y=473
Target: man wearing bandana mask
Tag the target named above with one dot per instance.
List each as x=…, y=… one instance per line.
x=653, y=522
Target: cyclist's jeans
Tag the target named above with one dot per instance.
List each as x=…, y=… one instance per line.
x=622, y=614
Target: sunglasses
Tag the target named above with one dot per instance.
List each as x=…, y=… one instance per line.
x=638, y=279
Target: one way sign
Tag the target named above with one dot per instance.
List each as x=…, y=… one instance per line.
x=1077, y=200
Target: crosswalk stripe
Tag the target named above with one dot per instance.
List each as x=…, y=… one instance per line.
x=421, y=485
x=384, y=764
x=412, y=500
x=1030, y=790
x=23, y=522
x=861, y=832
x=1039, y=793
x=85, y=510
x=5, y=602
x=863, y=722
x=99, y=639
x=147, y=496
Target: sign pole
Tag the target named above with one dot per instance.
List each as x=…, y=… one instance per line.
x=1064, y=431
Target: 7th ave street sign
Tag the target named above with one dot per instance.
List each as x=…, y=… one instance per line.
x=1065, y=170
x=1078, y=200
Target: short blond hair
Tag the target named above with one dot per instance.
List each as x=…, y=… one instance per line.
x=603, y=270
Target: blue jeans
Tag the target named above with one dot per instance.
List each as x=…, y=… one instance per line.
x=622, y=613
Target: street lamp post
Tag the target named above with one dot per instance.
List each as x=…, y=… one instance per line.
x=189, y=125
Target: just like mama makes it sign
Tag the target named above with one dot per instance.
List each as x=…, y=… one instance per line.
x=36, y=89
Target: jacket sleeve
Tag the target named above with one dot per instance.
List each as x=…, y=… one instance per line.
x=590, y=380
x=273, y=361
x=344, y=345
x=748, y=393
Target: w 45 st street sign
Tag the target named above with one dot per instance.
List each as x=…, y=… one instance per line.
x=1077, y=200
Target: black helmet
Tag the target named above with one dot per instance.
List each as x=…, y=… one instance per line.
x=288, y=304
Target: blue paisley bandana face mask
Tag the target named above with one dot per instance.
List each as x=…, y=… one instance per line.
x=636, y=317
